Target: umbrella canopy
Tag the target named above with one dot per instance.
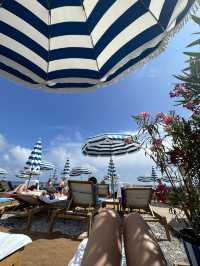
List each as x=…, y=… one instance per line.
x=146, y=179
x=66, y=170
x=46, y=166
x=3, y=171
x=110, y=144
x=173, y=179
x=34, y=161
x=22, y=174
x=77, y=171
x=82, y=44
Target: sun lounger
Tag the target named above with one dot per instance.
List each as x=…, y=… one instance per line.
x=82, y=204
x=11, y=247
x=103, y=190
x=5, y=203
x=139, y=198
x=31, y=203
x=5, y=186
x=28, y=206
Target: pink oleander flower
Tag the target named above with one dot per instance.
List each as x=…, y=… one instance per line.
x=157, y=143
x=167, y=119
x=196, y=113
x=159, y=116
x=173, y=94
x=189, y=105
x=144, y=115
x=180, y=88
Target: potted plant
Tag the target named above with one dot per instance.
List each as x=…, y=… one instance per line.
x=173, y=142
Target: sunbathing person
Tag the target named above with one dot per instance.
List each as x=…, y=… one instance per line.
x=104, y=246
x=50, y=198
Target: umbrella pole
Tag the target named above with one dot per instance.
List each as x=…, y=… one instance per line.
x=112, y=187
x=29, y=180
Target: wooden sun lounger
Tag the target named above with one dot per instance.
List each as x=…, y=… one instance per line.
x=139, y=198
x=13, y=259
x=28, y=206
x=82, y=204
x=103, y=190
x=11, y=248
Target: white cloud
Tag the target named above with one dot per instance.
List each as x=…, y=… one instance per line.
x=19, y=154
x=2, y=142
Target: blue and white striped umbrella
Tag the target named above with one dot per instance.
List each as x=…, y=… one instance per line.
x=46, y=166
x=111, y=169
x=34, y=161
x=3, y=171
x=149, y=179
x=78, y=45
x=22, y=174
x=55, y=176
x=110, y=144
x=112, y=174
x=66, y=170
x=77, y=171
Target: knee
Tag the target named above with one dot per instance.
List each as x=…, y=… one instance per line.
x=108, y=216
x=133, y=219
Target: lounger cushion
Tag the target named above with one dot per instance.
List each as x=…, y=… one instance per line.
x=10, y=243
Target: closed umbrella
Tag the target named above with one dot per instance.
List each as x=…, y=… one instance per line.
x=112, y=174
x=83, y=44
x=66, y=170
x=55, y=176
x=34, y=161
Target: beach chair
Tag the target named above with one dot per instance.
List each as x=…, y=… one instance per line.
x=11, y=248
x=28, y=206
x=139, y=199
x=103, y=190
x=136, y=198
x=5, y=186
x=82, y=204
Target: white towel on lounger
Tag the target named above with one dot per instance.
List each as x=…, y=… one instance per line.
x=78, y=256
x=46, y=199
x=10, y=243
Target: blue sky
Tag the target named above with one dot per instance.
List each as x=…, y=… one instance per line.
x=63, y=121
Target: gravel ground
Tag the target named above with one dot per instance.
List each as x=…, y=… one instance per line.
x=173, y=251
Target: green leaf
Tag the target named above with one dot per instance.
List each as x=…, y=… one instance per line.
x=197, y=42
x=193, y=54
x=196, y=19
